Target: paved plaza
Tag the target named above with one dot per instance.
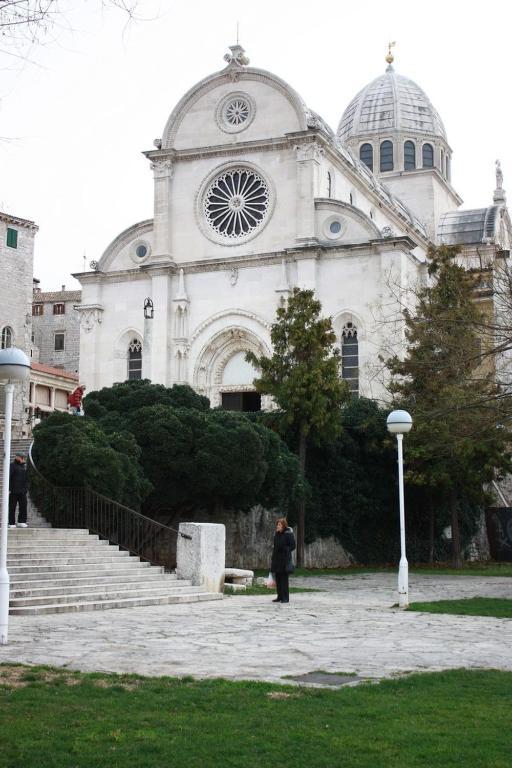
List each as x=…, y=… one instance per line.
x=349, y=627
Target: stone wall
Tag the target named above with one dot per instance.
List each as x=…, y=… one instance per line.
x=249, y=538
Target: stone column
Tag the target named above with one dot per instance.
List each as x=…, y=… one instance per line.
x=160, y=338
x=163, y=172
x=308, y=165
x=202, y=557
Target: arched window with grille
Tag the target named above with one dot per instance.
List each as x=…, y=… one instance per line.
x=428, y=156
x=350, y=357
x=409, y=156
x=386, y=156
x=134, y=360
x=6, y=337
x=366, y=155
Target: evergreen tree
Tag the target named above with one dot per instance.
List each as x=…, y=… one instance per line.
x=446, y=381
x=303, y=377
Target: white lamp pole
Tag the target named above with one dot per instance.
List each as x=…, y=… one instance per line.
x=14, y=366
x=399, y=423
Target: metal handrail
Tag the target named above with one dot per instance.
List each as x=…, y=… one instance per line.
x=83, y=507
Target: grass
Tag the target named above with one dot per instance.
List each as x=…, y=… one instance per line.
x=59, y=719
x=443, y=569
x=259, y=589
x=500, y=608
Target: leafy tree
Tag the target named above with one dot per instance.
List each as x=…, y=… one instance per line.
x=126, y=397
x=71, y=451
x=303, y=377
x=458, y=442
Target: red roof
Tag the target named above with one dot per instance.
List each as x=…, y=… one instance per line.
x=53, y=371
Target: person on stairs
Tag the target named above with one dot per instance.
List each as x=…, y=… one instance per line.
x=18, y=492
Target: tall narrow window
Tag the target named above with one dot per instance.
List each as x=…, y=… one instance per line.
x=329, y=184
x=409, y=156
x=366, y=155
x=12, y=237
x=442, y=164
x=428, y=156
x=134, y=360
x=448, y=169
x=6, y=337
x=386, y=156
x=350, y=357
x=59, y=341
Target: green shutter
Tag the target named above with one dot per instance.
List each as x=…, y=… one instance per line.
x=12, y=237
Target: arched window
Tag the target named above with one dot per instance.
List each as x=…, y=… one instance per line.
x=6, y=337
x=409, y=156
x=134, y=360
x=351, y=199
x=386, y=156
x=329, y=184
x=350, y=357
x=366, y=155
x=443, y=171
x=428, y=156
x=448, y=169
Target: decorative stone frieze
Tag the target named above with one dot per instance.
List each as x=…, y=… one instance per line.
x=90, y=316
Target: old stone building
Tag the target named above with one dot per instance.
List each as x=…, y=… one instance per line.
x=56, y=327
x=255, y=194
x=17, y=261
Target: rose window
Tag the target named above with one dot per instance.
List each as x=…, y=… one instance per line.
x=236, y=203
x=236, y=112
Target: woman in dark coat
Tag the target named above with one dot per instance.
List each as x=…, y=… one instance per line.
x=281, y=565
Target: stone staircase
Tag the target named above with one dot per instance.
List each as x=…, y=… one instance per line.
x=59, y=570
x=62, y=570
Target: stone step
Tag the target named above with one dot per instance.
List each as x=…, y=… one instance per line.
x=112, y=577
x=52, y=534
x=58, y=562
x=100, y=605
x=98, y=594
x=49, y=571
x=53, y=548
x=83, y=585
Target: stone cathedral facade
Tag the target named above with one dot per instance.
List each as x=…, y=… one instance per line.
x=254, y=194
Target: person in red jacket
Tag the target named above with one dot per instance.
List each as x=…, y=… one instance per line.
x=75, y=400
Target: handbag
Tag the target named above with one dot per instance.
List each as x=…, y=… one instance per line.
x=270, y=582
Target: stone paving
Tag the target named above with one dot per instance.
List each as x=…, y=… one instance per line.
x=349, y=627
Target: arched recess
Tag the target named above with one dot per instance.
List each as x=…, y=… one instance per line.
x=349, y=329
x=215, y=356
x=126, y=342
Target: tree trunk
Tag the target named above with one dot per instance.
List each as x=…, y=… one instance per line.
x=431, y=530
x=456, y=558
x=302, y=504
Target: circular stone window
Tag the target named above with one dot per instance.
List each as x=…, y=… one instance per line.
x=235, y=112
x=236, y=203
x=333, y=228
x=139, y=251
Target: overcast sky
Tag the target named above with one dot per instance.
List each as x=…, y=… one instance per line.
x=77, y=120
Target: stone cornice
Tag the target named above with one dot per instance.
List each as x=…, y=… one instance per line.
x=18, y=221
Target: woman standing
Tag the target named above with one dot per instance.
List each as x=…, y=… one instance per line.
x=281, y=565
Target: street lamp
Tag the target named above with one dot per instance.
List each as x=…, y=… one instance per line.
x=14, y=366
x=399, y=423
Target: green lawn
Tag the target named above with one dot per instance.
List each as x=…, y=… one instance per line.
x=443, y=569
x=501, y=608
x=60, y=719
x=259, y=589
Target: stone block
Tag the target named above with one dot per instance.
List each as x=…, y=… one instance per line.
x=201, y=556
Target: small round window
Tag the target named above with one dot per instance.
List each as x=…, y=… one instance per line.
x=235, y=112
x=333, y=227
x=140, y=251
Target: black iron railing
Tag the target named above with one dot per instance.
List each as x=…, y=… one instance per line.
x=82, y=507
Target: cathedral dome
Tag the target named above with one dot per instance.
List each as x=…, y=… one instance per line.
x=390, y=103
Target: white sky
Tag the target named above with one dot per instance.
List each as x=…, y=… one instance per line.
x=80, y=117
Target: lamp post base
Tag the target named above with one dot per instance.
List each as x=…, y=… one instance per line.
x=403, y=584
